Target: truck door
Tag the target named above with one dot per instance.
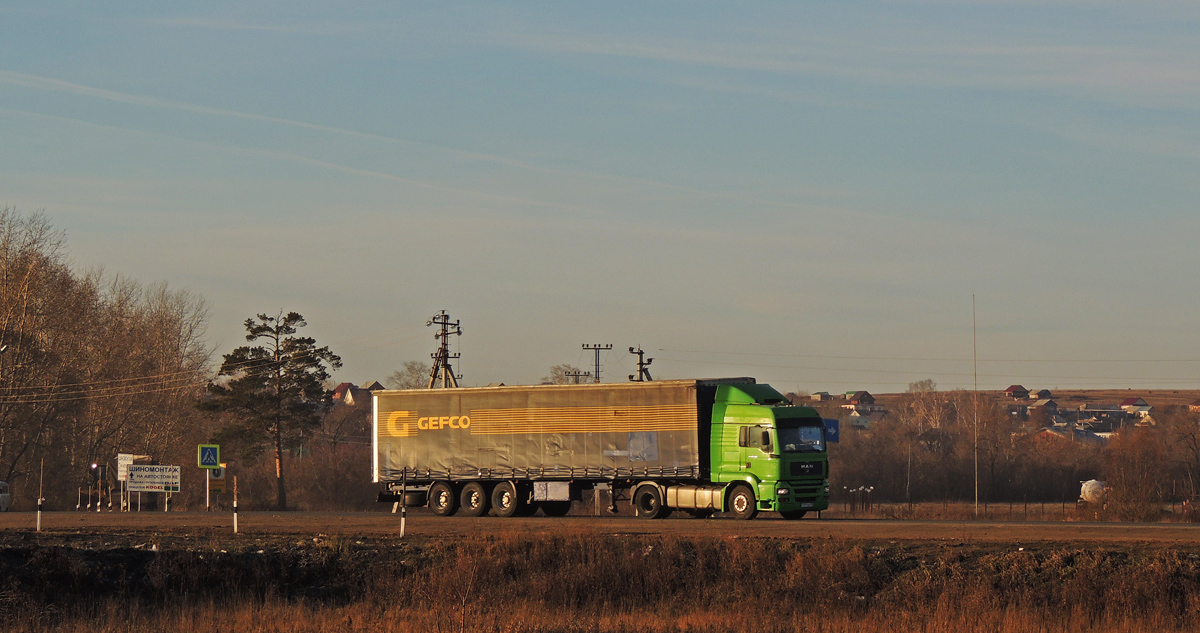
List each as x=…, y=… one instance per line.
x=756, y=441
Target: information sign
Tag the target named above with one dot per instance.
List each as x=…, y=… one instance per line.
x=124, y=461
x=208, y=456
x=146, y=478
x=216, y=480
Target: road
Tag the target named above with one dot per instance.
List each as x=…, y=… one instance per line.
x=423, y=525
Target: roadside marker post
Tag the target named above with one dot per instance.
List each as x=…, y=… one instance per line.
x=403, y=501
x=235, y=505
x=41, y=480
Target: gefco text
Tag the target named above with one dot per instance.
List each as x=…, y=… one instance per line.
x=436, y=423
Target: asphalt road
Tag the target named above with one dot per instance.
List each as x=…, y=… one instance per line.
x=423, y=525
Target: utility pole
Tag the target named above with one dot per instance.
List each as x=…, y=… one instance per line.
x=576, y=375
x=442, y=357
x=597, y=348
x=643, y=374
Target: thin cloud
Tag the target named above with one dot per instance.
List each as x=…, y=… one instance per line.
x=1151, y=74
x=43, y=83
x=332, y=29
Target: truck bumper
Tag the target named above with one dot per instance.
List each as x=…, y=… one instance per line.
x=808, y=496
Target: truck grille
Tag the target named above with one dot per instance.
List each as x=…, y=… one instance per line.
x=809, y=469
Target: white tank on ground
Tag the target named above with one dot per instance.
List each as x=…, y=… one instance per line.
x=1093, y=491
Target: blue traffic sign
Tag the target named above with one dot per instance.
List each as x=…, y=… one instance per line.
x=831, y=430
x=208, y=456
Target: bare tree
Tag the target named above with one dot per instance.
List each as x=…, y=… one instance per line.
x=414, y=375
x=562, y=375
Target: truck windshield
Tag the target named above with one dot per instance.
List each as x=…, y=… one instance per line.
x=795, y=437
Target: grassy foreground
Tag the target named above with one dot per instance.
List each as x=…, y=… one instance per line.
x=596, y=583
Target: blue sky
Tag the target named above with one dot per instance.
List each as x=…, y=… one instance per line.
x=808, y=193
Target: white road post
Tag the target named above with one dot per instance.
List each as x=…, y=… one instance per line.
x=235, y=505
x=41, y=480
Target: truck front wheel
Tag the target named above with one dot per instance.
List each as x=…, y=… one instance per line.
x=742, y=503
x=648, y=504
x=442, y=499
x=474, y=499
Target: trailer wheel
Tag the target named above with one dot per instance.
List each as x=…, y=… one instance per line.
x=556, y=508
x=742, y=503
x=442, y=499
x=474, y=499
x=793, y=515
x=505, y=502
x=648, y=504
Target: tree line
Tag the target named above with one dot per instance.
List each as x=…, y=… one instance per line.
x=927, y=447
x=90, y=362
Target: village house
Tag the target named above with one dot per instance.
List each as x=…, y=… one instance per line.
x=1136, y=406
x=1049, y=407
x=861, y=402
x=349, y=394
x=1055, y=435
x=1017, y=392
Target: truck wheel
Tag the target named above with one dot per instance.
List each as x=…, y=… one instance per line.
x=647, y=503
x=442, y=499
x=792, y=515
x=556, y=508
x=505, y=502
x=474, y=499
x=742, y=503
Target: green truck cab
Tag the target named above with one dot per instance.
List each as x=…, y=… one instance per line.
x=777, y=450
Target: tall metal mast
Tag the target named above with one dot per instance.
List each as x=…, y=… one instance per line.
x=442, y=357
x=643, y=374
x=597, y=348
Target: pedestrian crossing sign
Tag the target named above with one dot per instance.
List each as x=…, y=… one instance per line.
x=208, y=456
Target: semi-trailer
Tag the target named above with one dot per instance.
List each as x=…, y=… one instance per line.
x=701, y=446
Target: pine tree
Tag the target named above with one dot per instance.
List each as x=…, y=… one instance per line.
x=273, y=393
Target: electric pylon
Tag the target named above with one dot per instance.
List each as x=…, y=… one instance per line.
x=597, y=348
x=643, y=374
x=442, y=357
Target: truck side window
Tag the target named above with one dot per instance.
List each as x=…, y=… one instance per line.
x=757, y=437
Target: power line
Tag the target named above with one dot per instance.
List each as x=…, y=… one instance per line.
x=935, y=359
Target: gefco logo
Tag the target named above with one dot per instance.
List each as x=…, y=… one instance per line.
x=436, y=423
x=401, y=423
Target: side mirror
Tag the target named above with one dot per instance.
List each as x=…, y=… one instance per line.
x=766, y=440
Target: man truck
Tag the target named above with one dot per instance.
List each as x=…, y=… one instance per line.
x=699, y=446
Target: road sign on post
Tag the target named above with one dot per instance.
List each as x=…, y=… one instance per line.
x=147, y=478
x=216, y=480
x=208, y=456
x=124, y=461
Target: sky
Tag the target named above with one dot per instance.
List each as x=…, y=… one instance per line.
x=825, y=196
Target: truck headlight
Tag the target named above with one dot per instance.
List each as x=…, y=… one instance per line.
x=782, y=491
x=826, y=489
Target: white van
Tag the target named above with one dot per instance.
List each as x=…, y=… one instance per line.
x=4, y=498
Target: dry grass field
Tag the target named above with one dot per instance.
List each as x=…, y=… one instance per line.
x=331, y=572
